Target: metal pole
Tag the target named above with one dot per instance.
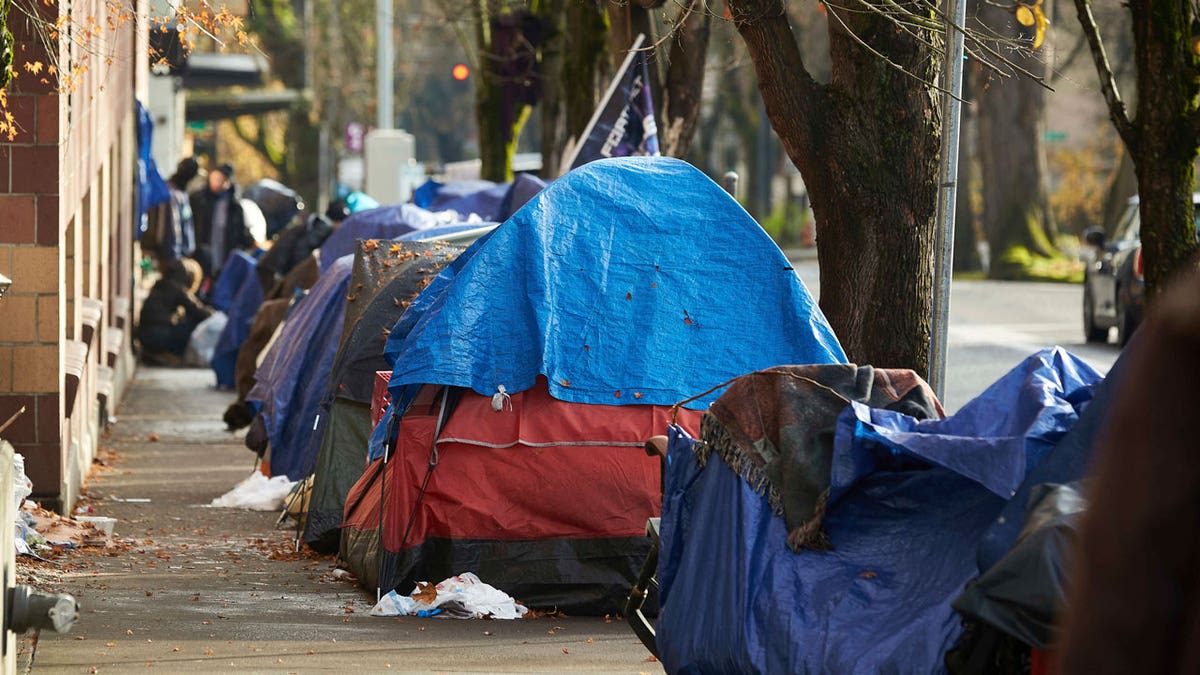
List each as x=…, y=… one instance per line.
x=947, y=195
x=385, y=57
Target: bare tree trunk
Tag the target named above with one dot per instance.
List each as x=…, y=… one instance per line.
x=966, y=251
x=502, y=105
x=1012, y=163
x=867, y=147
x=1121, y=186
x=685, y=80
x=574, y=70
x=1168, y=74
x=1164, y=136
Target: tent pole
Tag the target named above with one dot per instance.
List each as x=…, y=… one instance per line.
x=312, y=468
x=383, y=505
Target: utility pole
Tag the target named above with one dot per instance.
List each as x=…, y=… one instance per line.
x=956, y=11
x=386, y=57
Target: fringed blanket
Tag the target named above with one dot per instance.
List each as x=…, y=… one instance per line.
x=775, y=428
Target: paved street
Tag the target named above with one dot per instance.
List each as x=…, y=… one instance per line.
x=995, y=324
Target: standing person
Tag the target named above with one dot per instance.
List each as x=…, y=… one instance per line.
x=179, y=239
x=170, y=233
x=220, y=221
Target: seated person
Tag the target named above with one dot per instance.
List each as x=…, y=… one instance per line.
x=171, y=312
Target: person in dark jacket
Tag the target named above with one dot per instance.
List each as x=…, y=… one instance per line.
x=170, y=313
x=220, y=221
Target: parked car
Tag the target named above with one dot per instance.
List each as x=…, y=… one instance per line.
x=1113, y=283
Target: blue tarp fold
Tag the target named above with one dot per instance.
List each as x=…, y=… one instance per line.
x=914, y=500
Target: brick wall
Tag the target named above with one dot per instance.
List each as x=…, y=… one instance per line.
x=66, y=240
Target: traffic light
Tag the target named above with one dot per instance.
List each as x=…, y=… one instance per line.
x=460, y=72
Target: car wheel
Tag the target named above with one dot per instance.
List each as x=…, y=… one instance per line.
x=1091, y=331
x=1125, y=323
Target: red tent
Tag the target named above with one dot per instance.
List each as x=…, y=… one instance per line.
x=544, y=499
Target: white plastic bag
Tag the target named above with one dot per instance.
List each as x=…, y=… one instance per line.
x=256, y=493
x=394, y=604
x=204, y=338
x=476, y=597
x=22, y=486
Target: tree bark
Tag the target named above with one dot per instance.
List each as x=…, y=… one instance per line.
x=501, y=108
x=867, y=148
x=1012, y=161
x=1163, y=138
x=966, y=252
x=685, y=80
x=1168, y=85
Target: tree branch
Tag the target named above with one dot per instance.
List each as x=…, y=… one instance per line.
x=1108, y=84
x=784, y=80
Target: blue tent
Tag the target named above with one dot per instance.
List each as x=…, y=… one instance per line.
x=523, y=188
x=289, y=383
x=474, y=198
x=240, y=312
x=628, y=281
x=426, y=192
x=238, y=266
x=909, y=503
x=385, y=222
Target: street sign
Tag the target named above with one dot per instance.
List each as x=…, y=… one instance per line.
x=1053, y=136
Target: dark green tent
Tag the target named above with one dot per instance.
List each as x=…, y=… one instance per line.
x=387, y=276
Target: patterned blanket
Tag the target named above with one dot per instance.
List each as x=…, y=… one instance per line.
x=776, y=427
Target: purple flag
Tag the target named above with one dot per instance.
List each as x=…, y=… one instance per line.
x=624, y=124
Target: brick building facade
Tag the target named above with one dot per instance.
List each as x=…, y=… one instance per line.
x=67, y=218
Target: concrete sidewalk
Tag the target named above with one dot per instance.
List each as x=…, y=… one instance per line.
x=217, y=590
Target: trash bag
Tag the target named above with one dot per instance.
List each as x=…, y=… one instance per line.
x=256, y=493
x=462, y=597
x=279, y=203
x=204, y=340
x=1018, y=598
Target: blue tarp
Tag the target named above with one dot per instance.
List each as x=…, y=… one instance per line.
x=385, y=222
x=238, y=266
x=240, y=317
x=627, y=281
x=523, y=188
x=910, y=501
x=425, y=193
x=293, y=376
x=152, y=189
x=483, y=203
